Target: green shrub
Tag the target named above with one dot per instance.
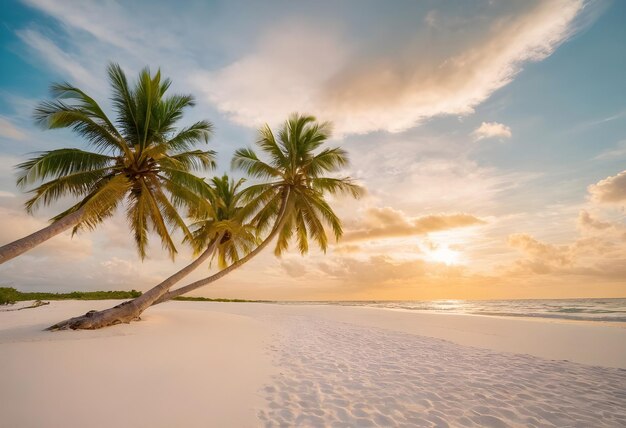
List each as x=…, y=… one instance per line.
x=11, y=295
x=8, y=295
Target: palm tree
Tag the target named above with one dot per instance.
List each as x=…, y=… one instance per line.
x=230, y=213
x=141, y=161
x=223, y=231
x=291, y=199
x=292, y=196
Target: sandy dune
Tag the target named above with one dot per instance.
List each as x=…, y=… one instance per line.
x=197, y=364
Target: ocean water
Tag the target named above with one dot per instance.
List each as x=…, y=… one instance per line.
x=605, y=310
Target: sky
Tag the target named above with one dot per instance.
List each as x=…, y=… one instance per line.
x=490, y=137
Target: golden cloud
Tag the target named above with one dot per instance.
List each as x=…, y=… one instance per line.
x=392, y=88
x=587, y=222
x=387, y=222
x=610, y=190
x=546, y=254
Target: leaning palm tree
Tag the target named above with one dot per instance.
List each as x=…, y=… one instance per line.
x=238, y=237
x=140, y=160
x=291, y=198
x=223, y=233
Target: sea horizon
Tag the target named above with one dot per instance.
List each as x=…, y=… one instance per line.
x=573, y=309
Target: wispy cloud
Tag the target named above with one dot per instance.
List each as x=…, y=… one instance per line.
x=615, y=153
x=56, y=57
x=10, y=131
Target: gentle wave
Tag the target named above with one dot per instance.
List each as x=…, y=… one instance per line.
x=601, y=310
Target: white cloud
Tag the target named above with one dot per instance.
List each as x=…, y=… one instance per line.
x=389, y=81
x=390, y=90
x=491, y=130
x=610, y=190
x=267, y=85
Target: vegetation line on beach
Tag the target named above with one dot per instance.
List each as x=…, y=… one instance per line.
x=9, y=295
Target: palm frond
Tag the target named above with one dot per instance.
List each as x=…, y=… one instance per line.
x=335, y=186
x=156, y=218
x=312, y=219
x=247, y=161
x=323, y=210
x=103, y=200
x=285, y=234
x=190, y=136
x=188, y=181
x=56, y=163
x=77, y=185
x=85, y=103
x=196, y=159
x=170, y=111
x=57, y=114
x=267, y=143
x=124, y=103
x=328, y=160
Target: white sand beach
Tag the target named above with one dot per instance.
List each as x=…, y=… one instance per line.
x=199, y=364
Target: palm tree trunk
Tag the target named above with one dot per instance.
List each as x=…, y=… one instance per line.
x=15, y=248
x=280, y=221
x=132, y=309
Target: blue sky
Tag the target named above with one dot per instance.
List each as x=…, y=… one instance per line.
x=513, y=113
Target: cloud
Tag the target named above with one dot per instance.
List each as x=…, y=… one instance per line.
x=10, y=131
x=610, y=190
x=59, y=59
x=618, y=152
x=586, y=222
x=105, y=21
x=491, y=130
x=293, y=268
x=393, y=88
x=591, y=225
x=599, y=253
x=390, y=80
x=376, y=270
x=266, y=86
x=541, y=254
x=387, y=222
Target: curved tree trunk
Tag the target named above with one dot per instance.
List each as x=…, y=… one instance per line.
x=132, y=309
x=15, y=248
x=280, y=221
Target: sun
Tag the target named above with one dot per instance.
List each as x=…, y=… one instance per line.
x=444, y=254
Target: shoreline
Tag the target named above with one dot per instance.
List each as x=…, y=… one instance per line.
x=538, y=318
